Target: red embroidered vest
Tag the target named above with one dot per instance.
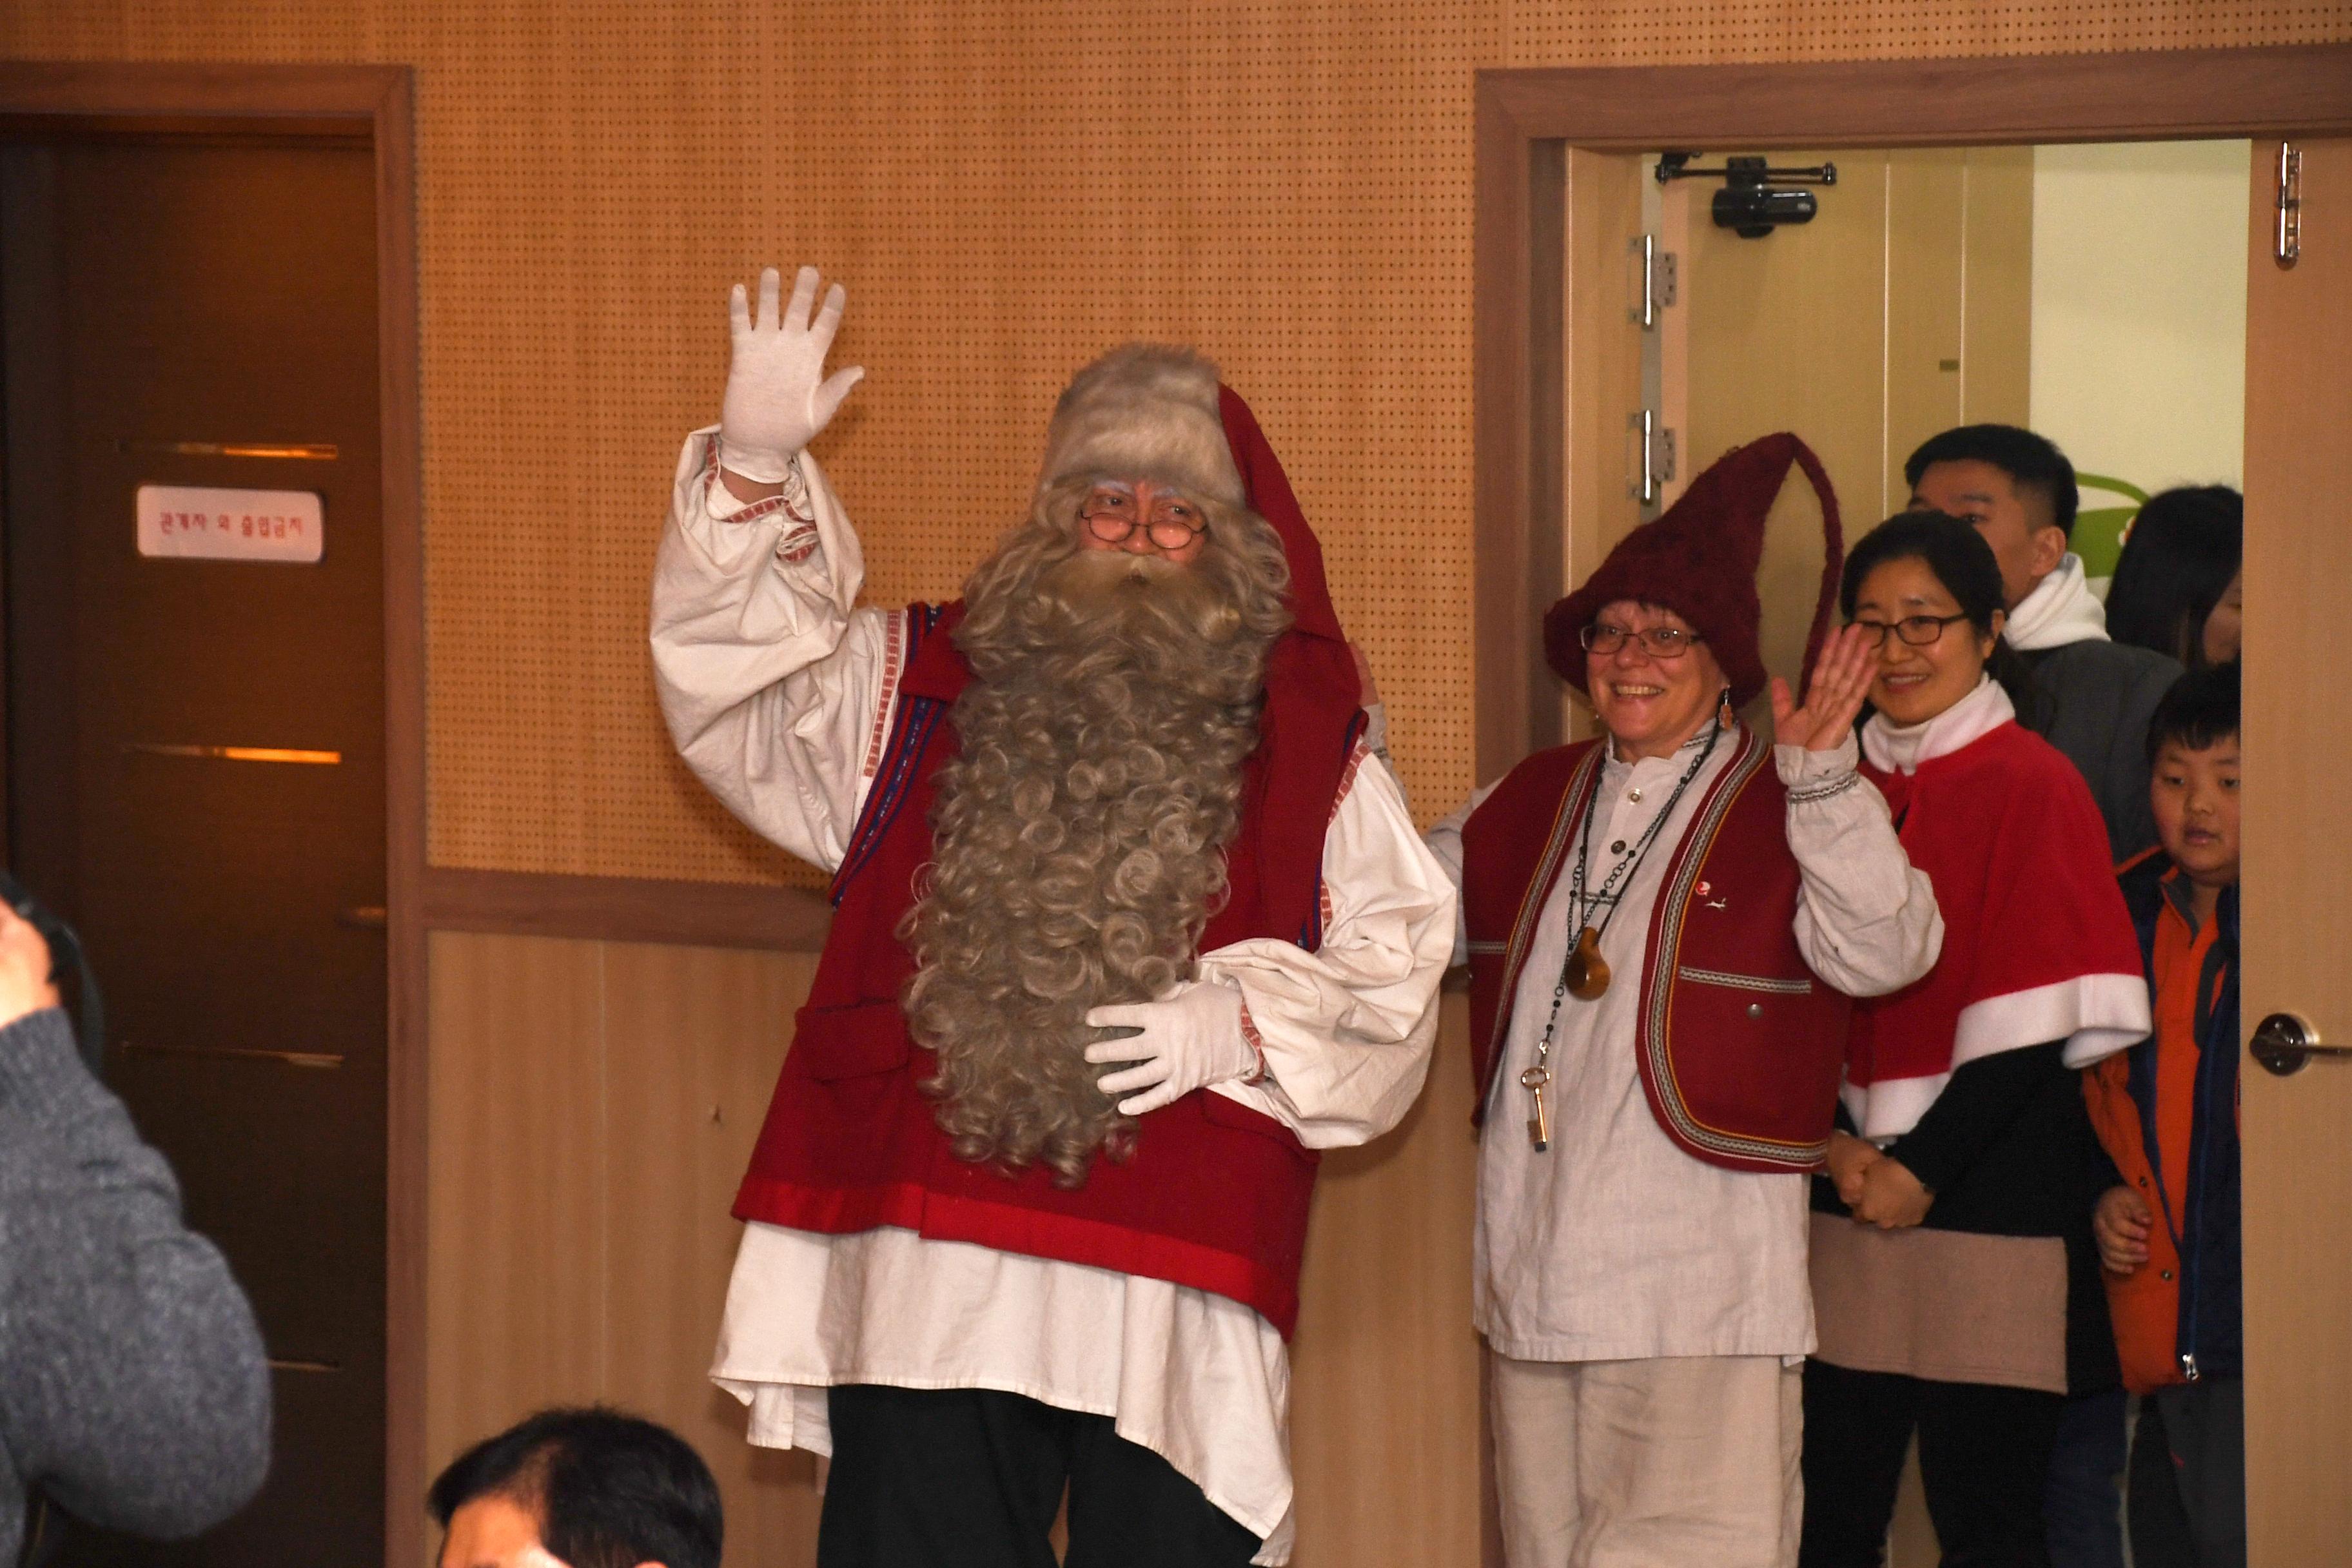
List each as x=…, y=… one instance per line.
x=1216, y=1197
x=1740, y=1044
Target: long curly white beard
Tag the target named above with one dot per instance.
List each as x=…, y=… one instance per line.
x=1079, y=839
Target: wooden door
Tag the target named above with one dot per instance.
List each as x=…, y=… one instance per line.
x=1903, y=309
x=2298, y=867
x=196, y=746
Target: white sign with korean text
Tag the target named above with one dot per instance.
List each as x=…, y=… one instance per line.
x=230, y=525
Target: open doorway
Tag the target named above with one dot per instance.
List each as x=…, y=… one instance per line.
x=2094, y=294
x=1559, y=371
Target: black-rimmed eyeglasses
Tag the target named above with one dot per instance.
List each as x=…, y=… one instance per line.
x=1919, y=631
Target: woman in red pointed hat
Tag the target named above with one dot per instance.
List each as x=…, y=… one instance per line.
x=1664, y=927
x=1123, y=932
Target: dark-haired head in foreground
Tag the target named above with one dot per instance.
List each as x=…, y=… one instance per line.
x=594, y=1489
x=2015, y=488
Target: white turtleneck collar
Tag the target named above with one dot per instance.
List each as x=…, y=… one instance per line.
x=2061, y=609
x=1901, y=748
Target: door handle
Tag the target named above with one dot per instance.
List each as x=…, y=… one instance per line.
x=2284, y=1041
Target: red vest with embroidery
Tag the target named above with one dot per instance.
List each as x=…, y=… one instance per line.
x=1216, y=1195
x=1740, y=1044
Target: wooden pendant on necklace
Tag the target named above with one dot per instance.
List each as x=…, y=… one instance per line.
x=1588, y=972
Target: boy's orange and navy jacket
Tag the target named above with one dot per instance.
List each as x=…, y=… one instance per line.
x=2166, y=1112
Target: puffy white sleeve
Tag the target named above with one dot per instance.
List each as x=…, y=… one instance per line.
x=1867, y=918
x=1445, y=841
x=776, y=691
x=1347, y=1030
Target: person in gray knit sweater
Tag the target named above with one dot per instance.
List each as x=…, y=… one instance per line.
x=133, y=1388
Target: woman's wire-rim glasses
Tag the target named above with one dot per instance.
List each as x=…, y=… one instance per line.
x=1658, y=642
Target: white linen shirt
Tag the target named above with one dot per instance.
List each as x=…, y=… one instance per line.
x=779, y=693
x=1614, y=1244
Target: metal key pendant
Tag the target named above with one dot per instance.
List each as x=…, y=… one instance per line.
x=1539, y=1124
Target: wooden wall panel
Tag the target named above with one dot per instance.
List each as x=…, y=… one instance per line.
x=1294, y=193
x=693, y=1037
x=593, y=1104
x=515, y=1304
x=1384, y=1426
x=593, y=1107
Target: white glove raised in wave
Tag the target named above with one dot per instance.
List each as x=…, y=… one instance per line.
x=778, y=395
x=1192, y=1038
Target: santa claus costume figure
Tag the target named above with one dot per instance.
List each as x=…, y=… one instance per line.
x=1124, y=933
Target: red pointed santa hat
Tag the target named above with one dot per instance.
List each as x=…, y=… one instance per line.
x=1699, y=560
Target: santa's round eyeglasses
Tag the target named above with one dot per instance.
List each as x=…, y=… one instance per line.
x=1111, y=516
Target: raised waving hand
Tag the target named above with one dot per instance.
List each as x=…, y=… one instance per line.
x=778, y=395
x=1841, y=680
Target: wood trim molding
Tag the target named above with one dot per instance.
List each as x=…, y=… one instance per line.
x=2303, y=90
x=2160, y=94
x=377, y=102
x=400, y=396
x=627, y=909
x=205, y=93
x=1990, y=101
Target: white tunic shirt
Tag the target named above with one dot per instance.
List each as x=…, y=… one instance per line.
x=1614, y=1244
x=778, y=694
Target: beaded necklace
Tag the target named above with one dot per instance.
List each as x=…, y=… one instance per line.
x=1584, y=974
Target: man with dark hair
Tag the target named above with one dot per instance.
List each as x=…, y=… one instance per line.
x=2091, y=696
x=591, y=1489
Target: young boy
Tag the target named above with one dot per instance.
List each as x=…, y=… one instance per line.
x=2167, y=1111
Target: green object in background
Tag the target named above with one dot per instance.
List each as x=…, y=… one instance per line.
x=2100, y=531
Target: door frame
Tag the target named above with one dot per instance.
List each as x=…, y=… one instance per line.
x=1539, y=433
x=1552, y=380
x=378, y=102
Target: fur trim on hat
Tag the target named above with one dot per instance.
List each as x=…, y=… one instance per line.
x=1145, y=411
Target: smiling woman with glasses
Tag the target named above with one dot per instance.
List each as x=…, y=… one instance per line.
x=1665, y=925
x=1955, y=1286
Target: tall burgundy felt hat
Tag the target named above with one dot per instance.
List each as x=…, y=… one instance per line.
x=1699, y=560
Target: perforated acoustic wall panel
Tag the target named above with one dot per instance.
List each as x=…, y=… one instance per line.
x=1006, y=189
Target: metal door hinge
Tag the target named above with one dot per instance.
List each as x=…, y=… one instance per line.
x=1650, y=280
x=1650, y=451
x=2290, y=204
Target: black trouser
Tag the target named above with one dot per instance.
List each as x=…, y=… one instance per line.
x=2188, y=1477
x=966, y=1478
x=1984, y=1455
